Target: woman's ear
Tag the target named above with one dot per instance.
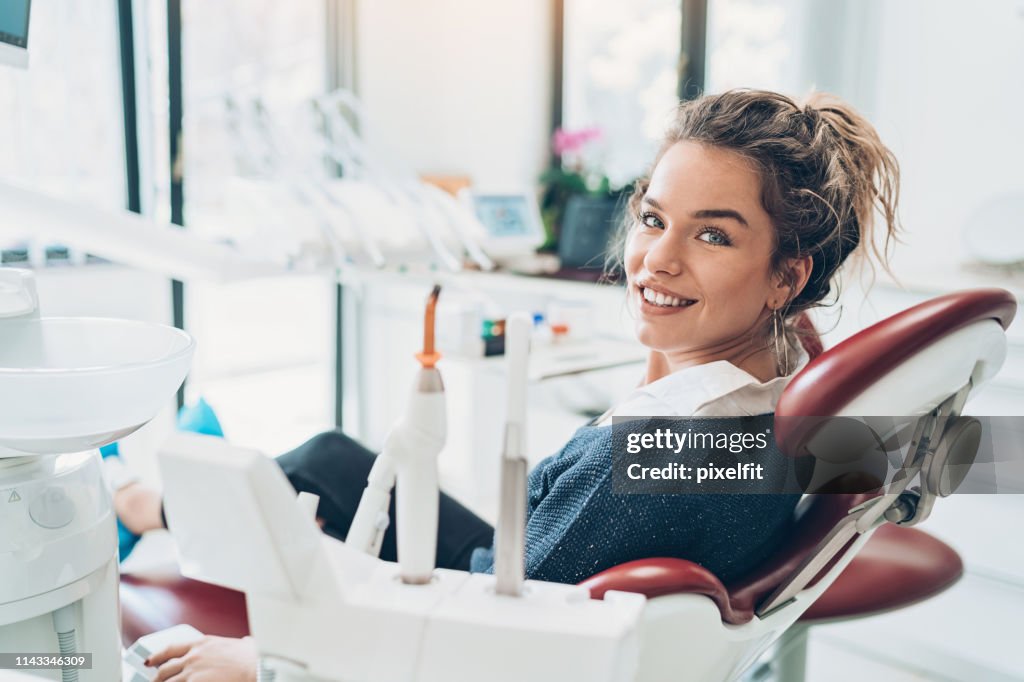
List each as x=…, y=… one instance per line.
x=792, y=279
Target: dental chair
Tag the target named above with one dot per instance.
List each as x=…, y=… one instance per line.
x=850, y=554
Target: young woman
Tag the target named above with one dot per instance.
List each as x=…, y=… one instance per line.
x=753, y=203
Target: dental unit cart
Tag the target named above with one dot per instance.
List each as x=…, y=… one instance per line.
x=67, y=387
x=320, y=609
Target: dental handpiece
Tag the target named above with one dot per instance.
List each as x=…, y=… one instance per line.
x=410, y=458
x=366, y=533
x=415, y=446
x=510, y=542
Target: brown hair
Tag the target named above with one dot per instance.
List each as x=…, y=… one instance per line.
x=824, y=172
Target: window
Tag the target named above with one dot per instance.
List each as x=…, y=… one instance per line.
x=61, y=129
x=621, y=76
x=265, y=351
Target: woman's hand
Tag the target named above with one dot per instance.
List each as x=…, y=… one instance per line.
x=210, y=659
x=139, y=507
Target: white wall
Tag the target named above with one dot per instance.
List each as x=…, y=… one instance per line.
x=459, y=86
x=940, y=79
x=947, y=98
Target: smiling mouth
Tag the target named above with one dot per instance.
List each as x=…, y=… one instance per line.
x=661, y=300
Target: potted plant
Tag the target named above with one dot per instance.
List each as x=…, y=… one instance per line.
x=576, y=190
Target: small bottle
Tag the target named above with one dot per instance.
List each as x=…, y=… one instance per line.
x=557, y=323
x=541, y=331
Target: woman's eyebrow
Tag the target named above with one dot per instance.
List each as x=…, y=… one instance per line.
x=722, y=213
x=705, y=213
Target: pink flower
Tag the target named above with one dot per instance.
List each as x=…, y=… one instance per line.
x=573, y=141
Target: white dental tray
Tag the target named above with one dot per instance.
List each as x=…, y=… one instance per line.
x=71, y=384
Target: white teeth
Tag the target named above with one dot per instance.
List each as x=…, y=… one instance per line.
x=664, y=300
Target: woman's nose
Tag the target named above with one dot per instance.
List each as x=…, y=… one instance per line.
x=665, y=255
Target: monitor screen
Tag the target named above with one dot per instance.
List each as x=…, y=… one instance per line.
x=505, y=215
x=14, y=22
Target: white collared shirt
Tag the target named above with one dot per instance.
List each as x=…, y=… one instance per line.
x=714, y=389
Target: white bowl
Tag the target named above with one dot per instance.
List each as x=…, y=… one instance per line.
x=70, y=384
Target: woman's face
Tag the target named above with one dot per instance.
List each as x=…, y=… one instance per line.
x=698, y=259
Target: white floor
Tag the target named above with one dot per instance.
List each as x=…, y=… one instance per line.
x=971, y=632
x=830, y=660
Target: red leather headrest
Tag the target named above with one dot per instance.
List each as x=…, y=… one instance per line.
x=832, y=380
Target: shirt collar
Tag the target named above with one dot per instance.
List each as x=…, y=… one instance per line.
x=686, y=391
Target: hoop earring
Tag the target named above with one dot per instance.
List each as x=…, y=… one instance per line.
x=780, y=344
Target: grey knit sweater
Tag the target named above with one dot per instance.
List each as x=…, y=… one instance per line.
x=577, y=526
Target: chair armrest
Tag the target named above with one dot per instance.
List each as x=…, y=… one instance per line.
x=659, y=577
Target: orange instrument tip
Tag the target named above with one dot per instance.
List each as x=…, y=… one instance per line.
x=428, y=360
x=429, y=356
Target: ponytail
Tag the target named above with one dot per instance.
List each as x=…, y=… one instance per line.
x=864, y=165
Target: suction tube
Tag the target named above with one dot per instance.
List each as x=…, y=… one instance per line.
x=64, y=625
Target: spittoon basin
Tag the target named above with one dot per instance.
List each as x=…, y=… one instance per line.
x=71, y=384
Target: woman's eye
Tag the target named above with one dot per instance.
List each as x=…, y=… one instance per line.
x=714, y=236
x=651, y=220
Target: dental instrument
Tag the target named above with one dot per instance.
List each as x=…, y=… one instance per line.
x=309, y=188
x=67, y=387
x=510, y=538
x=410, y=456
x=434, y=209
x=415, y=445
x=344, y=146
x=441, y=209
x=267, y=153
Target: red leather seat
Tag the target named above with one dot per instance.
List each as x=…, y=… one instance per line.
x=896, y=568
x=152, y=603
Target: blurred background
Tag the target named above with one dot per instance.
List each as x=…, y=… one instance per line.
x=216, y=115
